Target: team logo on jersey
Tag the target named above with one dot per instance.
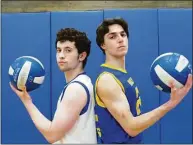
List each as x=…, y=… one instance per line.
x=137, y=92
x=130, y=81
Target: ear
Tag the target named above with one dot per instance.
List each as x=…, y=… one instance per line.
x=82, y=56
x=103, y=46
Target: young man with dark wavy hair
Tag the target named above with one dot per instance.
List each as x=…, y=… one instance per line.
x=118, y=100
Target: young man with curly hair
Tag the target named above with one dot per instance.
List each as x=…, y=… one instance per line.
x=73, y=121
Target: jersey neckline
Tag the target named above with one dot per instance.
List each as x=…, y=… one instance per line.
x=113, y=67
x=76, y=77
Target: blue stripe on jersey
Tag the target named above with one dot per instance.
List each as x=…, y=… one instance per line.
x=63, y=93
x=69, y=83
x=88, y=96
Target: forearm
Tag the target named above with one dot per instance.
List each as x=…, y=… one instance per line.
x=40, y=121
x=144, y=121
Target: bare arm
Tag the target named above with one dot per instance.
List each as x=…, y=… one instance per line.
x=65, y=116
x=115, y=100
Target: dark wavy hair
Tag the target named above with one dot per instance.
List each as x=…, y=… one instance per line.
x=82, y=43
x=103, y=29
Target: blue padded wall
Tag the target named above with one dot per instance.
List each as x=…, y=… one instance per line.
x=24, y=34
x=175, y=35
x=152, y=32
x=86, y=21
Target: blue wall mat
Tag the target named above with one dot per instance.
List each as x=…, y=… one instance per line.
x=84, y=21
x=175, y=35
x=34, y=34
x=24, y=34
x=143, y=48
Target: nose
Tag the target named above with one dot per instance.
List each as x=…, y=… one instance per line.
x=120, y=39
x=61, y=55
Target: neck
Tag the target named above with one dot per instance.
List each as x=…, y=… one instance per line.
x=116, y=62
x=71, y=74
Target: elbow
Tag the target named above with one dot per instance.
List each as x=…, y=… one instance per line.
x=132, y=129
x=50, y=141
x=132, y=132
x=51, y=138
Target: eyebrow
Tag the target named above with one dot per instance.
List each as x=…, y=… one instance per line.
x=64, y=47
x=112, y=33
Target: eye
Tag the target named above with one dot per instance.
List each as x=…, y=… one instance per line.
x=123, y=34
x=112, y=37
x=68, y=50
x=58, y=50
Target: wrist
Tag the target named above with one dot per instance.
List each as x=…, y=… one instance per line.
x=170, y=105
x=26, y=100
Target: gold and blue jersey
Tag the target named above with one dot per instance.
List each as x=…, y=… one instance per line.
x=108, y=129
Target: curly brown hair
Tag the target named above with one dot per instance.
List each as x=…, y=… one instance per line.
x=82, y=42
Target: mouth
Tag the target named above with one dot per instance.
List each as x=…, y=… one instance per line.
x=121, y=47
x=61, y=62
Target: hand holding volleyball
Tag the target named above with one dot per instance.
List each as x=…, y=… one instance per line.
x=170, y=67
x=27, y=71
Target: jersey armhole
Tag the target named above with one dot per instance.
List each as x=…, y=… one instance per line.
x=88, y=96
x=115, y=78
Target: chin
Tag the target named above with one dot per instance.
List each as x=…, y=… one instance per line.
x=121, y=54
x=63, y=69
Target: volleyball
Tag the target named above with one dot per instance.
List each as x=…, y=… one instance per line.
x=26, y=71
x=170, y=67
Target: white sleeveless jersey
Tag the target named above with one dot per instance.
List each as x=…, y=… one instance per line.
x=84, y=130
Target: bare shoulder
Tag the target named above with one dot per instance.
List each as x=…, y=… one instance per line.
x=76, y=92
x=107, y=86
x=105, y=80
